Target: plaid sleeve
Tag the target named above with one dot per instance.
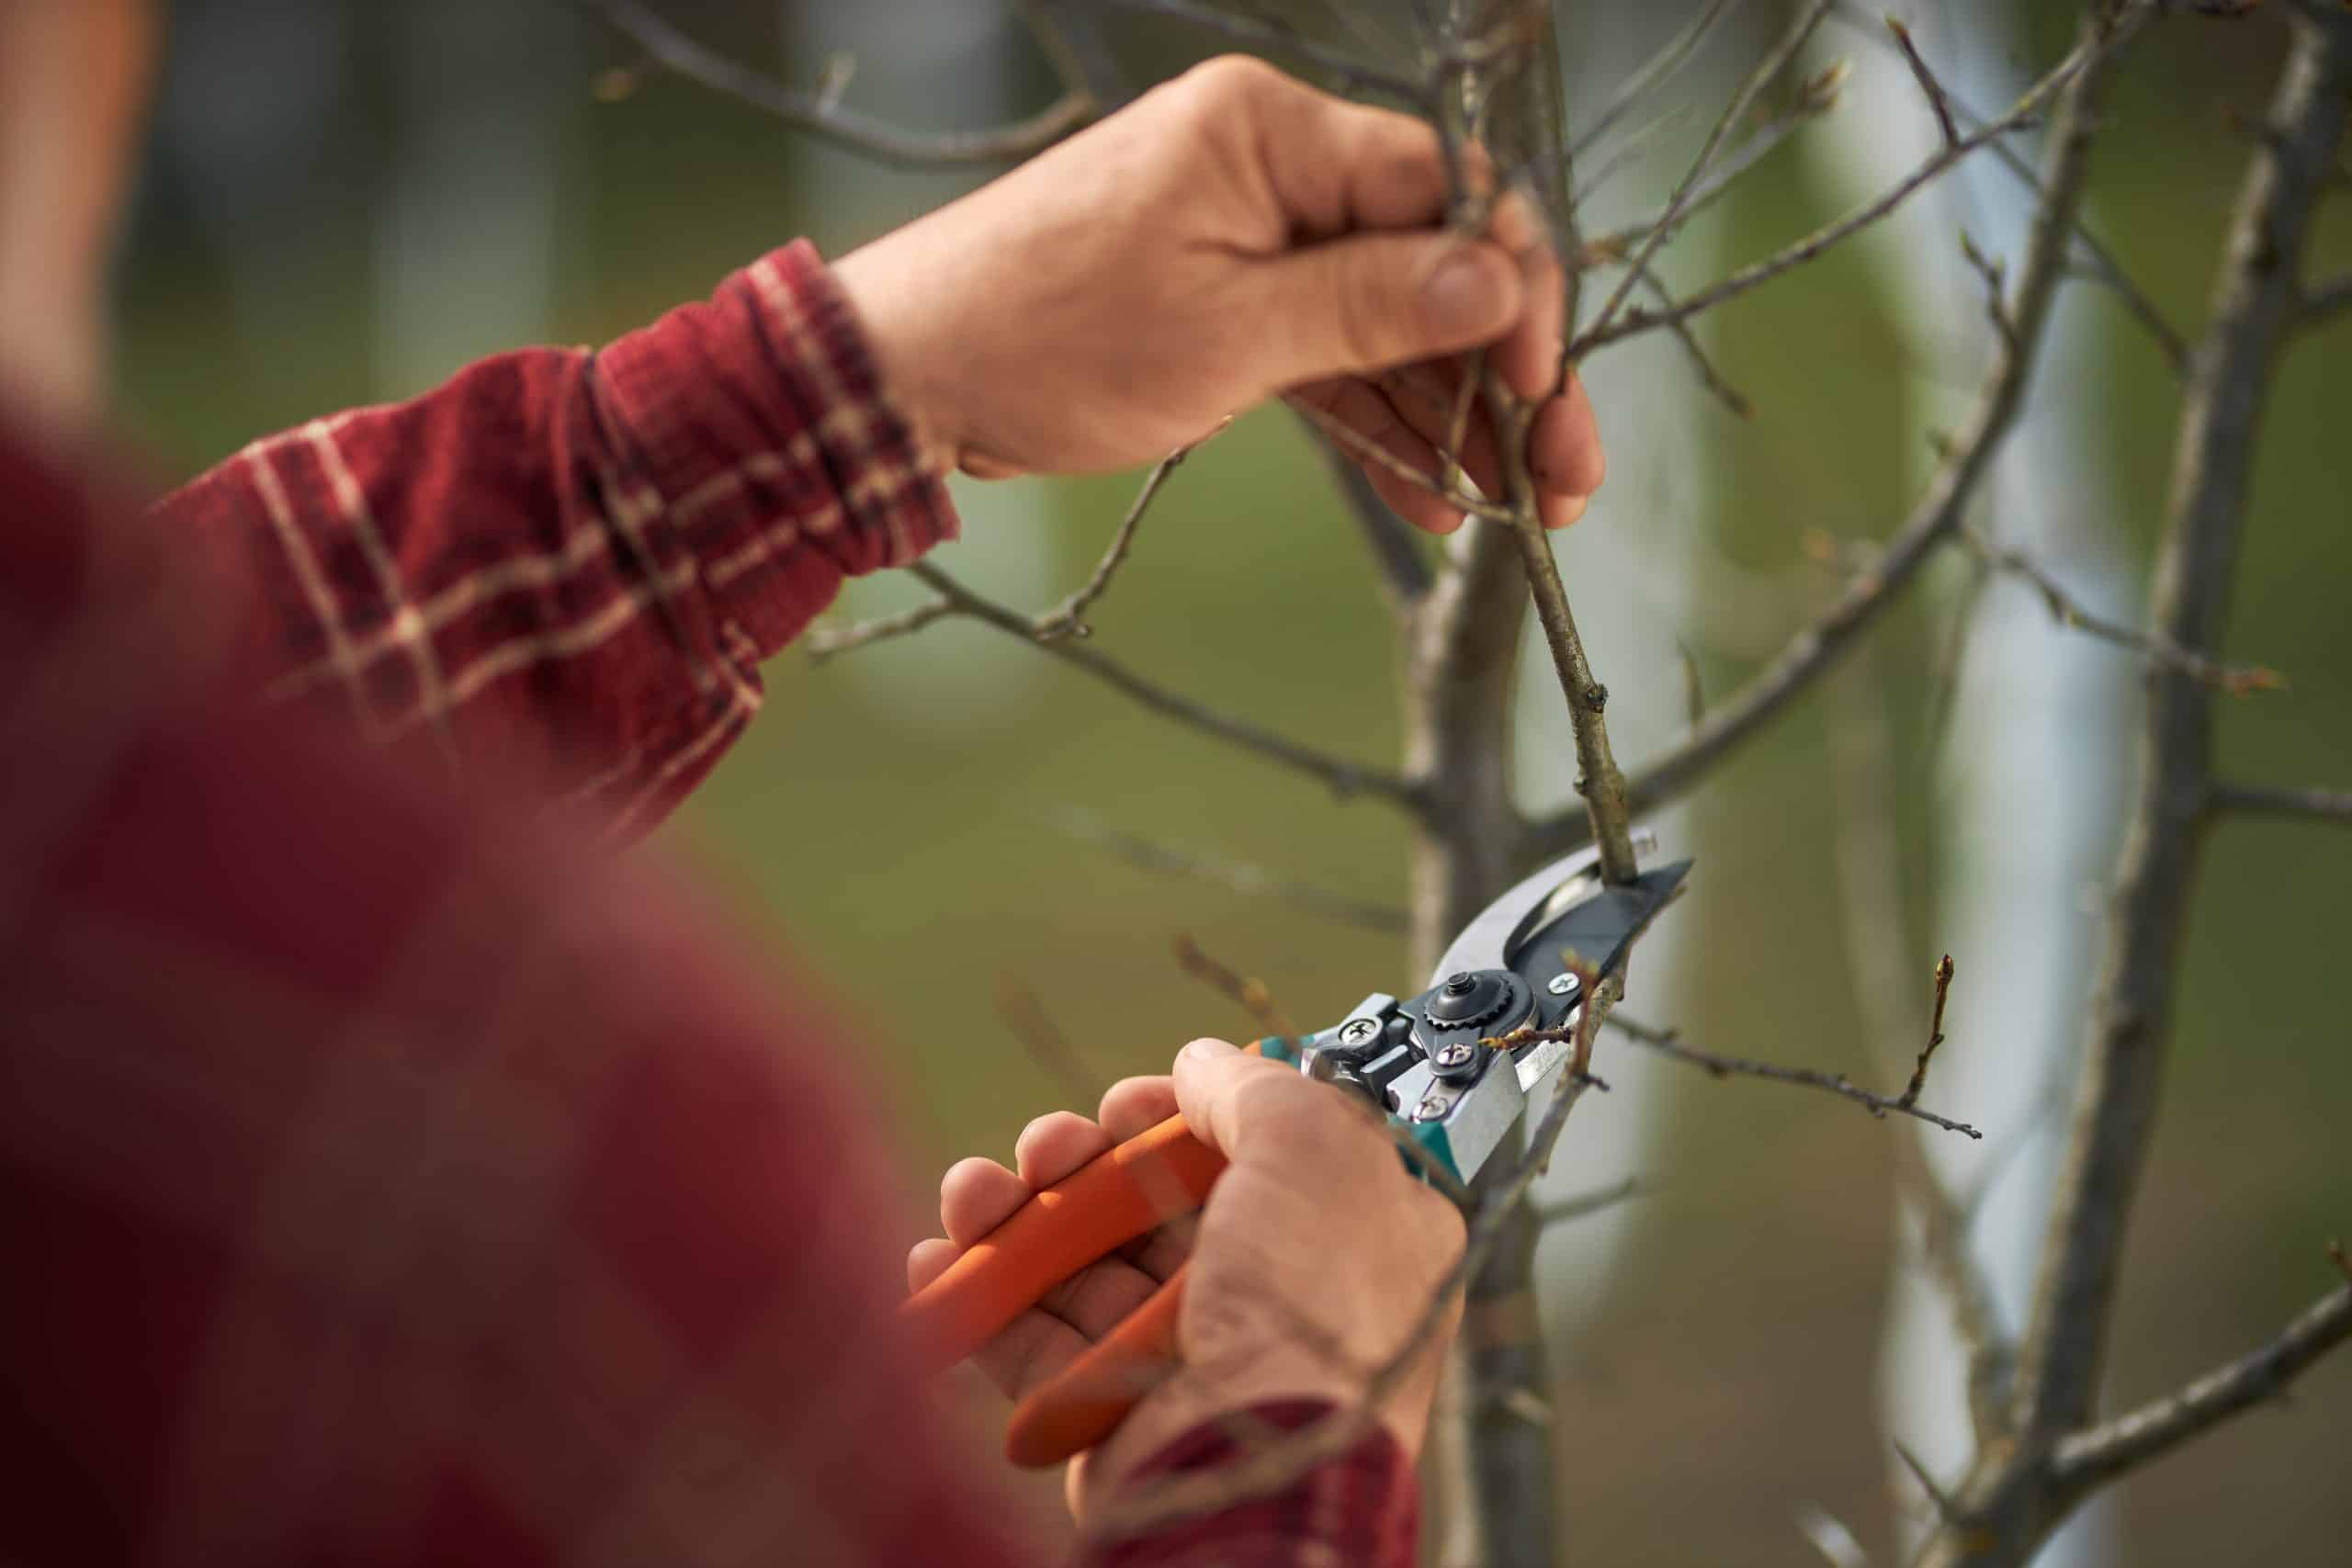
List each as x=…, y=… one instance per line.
x=568, y=563
x=1362, y=1508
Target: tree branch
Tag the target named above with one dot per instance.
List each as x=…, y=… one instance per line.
x=1936, y=99
x=1237, y=876
x=1775, y=61
x=1278, y=38
x=1395, y=544
x=681, y=55
x=2105, y=269
x=1345, y=777
x=2236, y=680
x=2116, y=1094
x=1654, y=74
x=1605, y=330
x=2275, y=800
x=2325, y=300
x=1967, y=458
x=1067, y=620
x=1668, y=1042
x=2087, y=1459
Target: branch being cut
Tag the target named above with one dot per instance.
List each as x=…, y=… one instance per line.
x=819, y=115
x=1966, y=459
x=2084, y=1460
x=1668, y=1042
x=2274, y=800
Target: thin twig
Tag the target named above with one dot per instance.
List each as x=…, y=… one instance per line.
x=1371, y=451
x=1247, y=991
x=1910, y=1096
x=1395, y=544
x=1937, y=100
x=1606, y=331
x=2277, y=800
x=2107, y=269
x=1066, y=619
x=680, y=55
x=1237, y=876
x=1344, y=776
x=1945, y=1507
x=2325, y=299
x=1966, y=459
x=1713, y=380
x=824, y=642
x=1817, y=97
x=1655, y=74
x=2084, y=1459
x=1577, y=1205
x=1025, y=1017
x=1278, y=38
x=1668, y=1042
x=1770, y=66
x=2237, y=680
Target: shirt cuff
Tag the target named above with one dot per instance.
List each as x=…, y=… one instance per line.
x=762, y=421
x=1361, y=1507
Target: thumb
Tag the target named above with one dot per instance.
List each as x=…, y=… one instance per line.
x=1373, y=301
x=1224, y=1091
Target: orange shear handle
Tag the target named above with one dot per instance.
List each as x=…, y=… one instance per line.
x=1102, y=1205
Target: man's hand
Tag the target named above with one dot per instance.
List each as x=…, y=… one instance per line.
x=1312, y=1263
x=1231, y=236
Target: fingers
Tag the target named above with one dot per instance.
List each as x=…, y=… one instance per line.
x=1529, y=357
x=1331, y=165
x=1564, y=455
x=1226, y=1094
x=1137, y=1105
x=1368, y=412
x=1354, y=306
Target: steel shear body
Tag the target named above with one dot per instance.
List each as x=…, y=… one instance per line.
x=1429, y=1062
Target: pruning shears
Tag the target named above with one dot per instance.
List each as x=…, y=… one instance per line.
x=1441, y=1066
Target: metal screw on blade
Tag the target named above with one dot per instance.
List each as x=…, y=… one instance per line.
x=1562, y=984
x=1429, y=1110
x=1453, y=1055
x=1357, y=1031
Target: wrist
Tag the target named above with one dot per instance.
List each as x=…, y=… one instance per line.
x=891, y=303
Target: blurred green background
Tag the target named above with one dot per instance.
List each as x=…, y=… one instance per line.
x=346, y=200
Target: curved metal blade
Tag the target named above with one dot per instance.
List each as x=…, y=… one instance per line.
x=1500, y=932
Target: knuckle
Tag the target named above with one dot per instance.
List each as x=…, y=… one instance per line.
x=1229, y=79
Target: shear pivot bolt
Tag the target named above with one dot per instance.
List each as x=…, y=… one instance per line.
x=1459, y=985
x=1428, y=1109
x=1357, y=1031
x=1453, y=1055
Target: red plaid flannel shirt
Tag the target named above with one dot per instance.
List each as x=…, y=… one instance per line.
x=383, y=1179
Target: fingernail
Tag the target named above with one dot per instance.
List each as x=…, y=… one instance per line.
x=1464, y=295
x=1208, y=1050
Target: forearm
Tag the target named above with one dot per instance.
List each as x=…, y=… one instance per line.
x=565, y=567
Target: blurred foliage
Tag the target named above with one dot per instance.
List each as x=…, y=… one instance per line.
x=899, y=839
